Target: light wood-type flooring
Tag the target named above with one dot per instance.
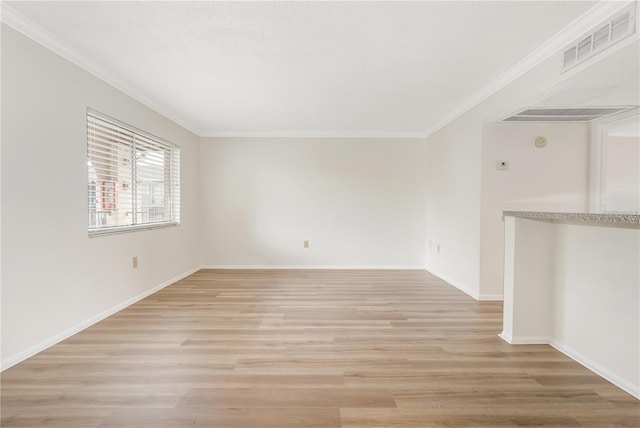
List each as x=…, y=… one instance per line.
x=307, y=349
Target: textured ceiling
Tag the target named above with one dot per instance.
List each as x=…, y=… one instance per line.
x=330, y=68
x=615, y=81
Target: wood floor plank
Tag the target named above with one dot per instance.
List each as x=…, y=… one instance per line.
x=260, y=397
x=307, y=349
x=227, y=418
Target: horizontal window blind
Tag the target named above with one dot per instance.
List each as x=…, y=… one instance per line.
x=133, y=177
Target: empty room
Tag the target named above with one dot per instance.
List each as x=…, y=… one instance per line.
x=320, y=214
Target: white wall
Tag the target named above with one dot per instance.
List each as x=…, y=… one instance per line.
x=454, y=155
x=576, y=285
x=454, y=189
x=360, y=202
x=553, y=178
x=453, y=204
x=622, y=173
x=595, y=299
x=54, y=277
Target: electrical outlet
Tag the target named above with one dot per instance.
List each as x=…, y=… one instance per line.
x=305, y=244
x=135, y=262
x=438, y=248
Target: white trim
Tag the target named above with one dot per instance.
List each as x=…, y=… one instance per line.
x=598, y=369
x=300, y=267
x=456, y=284
x=506, y=337
x=491, y=297
x=39, y=347
x=314, y=134
x=575, y=29
x=579, y=26
x=523, y=340
x=115, y=230
x=578, y=357
x=24, y=25
x=598, y=158
x=596, y=168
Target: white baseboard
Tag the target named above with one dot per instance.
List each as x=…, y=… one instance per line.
x=39, y=347
x=523, y=340
x=578, y=357
x=456, y=284
x=347, y=267
x=506, y=337
x=468, y=291
x=598, y=369
x=491, y=297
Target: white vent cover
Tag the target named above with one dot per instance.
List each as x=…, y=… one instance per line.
x=564, y=114
x=605, y=35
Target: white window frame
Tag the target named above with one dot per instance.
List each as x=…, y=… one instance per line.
x=173, y=174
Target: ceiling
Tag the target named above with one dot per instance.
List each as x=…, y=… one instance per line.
x=630, y=129
x=614, y=82
x=303, y=68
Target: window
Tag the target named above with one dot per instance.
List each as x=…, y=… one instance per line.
x=133, y=177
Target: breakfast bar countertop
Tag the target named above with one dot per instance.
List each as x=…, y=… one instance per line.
x=601, y=217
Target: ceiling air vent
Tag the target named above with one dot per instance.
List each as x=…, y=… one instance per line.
x=605, y=35
x=563, y=114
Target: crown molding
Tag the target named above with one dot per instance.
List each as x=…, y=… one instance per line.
x=569, y=34
x=313, y=134
x=25, y=26
x=584, y=23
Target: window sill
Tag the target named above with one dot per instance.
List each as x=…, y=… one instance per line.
x=94, y=233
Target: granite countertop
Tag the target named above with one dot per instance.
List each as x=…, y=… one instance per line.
x=602, y=217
